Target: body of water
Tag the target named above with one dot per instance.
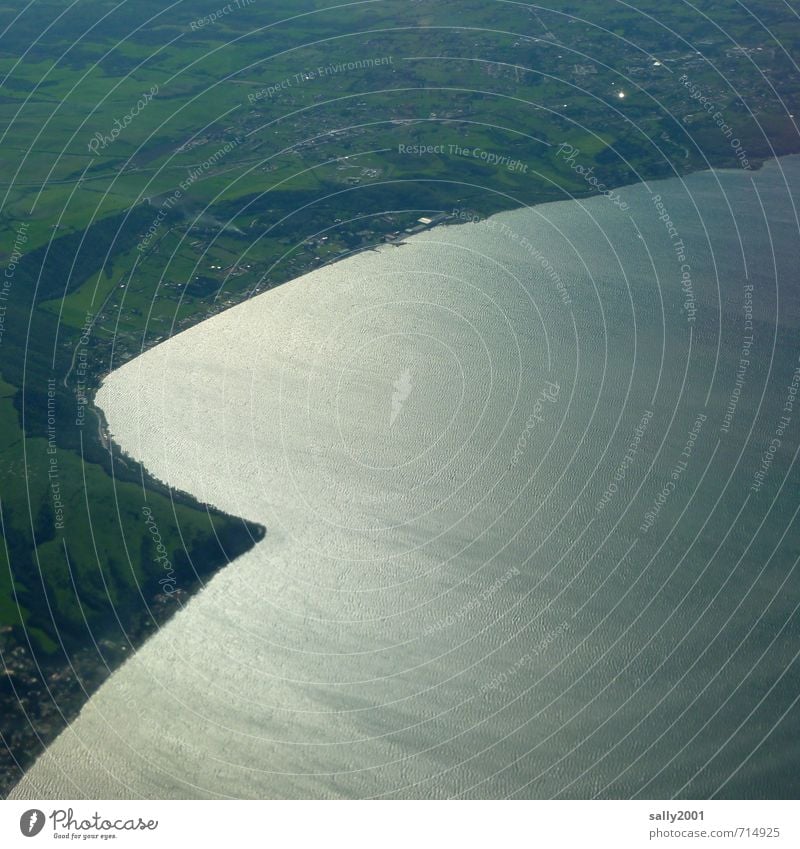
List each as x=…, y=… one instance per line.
x=531, y=493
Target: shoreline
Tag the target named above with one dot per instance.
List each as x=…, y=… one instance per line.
x=94, y=672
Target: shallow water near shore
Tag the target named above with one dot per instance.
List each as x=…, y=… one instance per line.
x=529, y=532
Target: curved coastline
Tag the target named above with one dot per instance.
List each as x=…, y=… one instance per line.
x=301, y=392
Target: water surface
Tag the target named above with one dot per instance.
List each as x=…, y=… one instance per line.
x=515, y=546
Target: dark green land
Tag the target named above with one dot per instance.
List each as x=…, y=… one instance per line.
x=276, y=141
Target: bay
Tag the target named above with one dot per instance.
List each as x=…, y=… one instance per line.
x=530, y=533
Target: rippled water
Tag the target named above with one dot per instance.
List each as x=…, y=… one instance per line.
x=513, y=546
